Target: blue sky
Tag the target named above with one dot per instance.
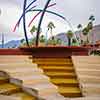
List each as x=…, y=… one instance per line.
x=76, y=11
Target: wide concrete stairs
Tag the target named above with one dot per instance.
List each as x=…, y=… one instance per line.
x=61, y=73
x=88, y=73
x=20, y=79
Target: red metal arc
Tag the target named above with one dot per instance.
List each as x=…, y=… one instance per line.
x=38, y=14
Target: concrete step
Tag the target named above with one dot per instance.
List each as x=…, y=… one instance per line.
x=44, y=89
x=58, y=69
x=65, y=82
x=93, y=73
x=8, y=89
x=90, y=79
x=51, y=59
x=15, y=60
x=23, y=96
x=91, y=89
x=4, y=97
x=17, y=65
x=61, y=74
x=54, y=63
x=87, y=98
x=70, y=91
x=3, y=80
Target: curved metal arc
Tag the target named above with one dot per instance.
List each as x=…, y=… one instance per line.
x=40, y=10
x=40, y=21
x=30, y=4
x=33, y=18
x=50, y=12
x=24, y=23
x=38, y=14
x=18, y=22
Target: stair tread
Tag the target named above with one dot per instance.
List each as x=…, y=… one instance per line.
x=58, y=81
x=51, y=59
x=55, y=63
x=3, y=80
x=24, y=96
x=69, y=90
x=60, y=73
x=8, y=87
x=60, y=67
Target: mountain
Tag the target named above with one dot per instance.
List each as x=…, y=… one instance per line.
x=63, y=38
x=12, y=44
x=94, y=35
x=96, y=32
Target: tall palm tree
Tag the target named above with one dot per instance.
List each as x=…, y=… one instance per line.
x=50, y=27
x=42, y=38
x=90, y=25
x=79, y=27
x=52, y=41
x=92, y=18
x=33, y=29
x=69, y=36
x=85, y=32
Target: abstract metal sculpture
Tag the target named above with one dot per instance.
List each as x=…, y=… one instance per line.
x=27, y=9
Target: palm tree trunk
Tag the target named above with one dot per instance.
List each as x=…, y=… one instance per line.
x=46, y=38
x=24, y=23
x=51, y=33
x=40, y=22
x=2, y=40
x=69, y=42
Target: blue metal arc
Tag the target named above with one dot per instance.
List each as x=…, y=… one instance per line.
x=40, y=10
x=24, y=19
x=49, y=12
x=25, y=13
x=30, y=4
x=24, y=22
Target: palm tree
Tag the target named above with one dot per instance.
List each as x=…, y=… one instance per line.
x=59, y=41
x=50, y=27
x=52, y=41
x=42, y=38
x=33, y=29
x=74, y=42
x=69, y=36
x=85, y=32
x=92, y=18
x=79, y=27
x=90, y=25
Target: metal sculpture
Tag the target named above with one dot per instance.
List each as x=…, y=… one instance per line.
x=27, y=9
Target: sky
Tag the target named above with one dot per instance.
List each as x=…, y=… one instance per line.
x=75, y=11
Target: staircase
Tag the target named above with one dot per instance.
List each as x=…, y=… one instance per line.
x=13, y=66
x=20, y=77
x=13, y=91
x=88, y=72
x=62, y=74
